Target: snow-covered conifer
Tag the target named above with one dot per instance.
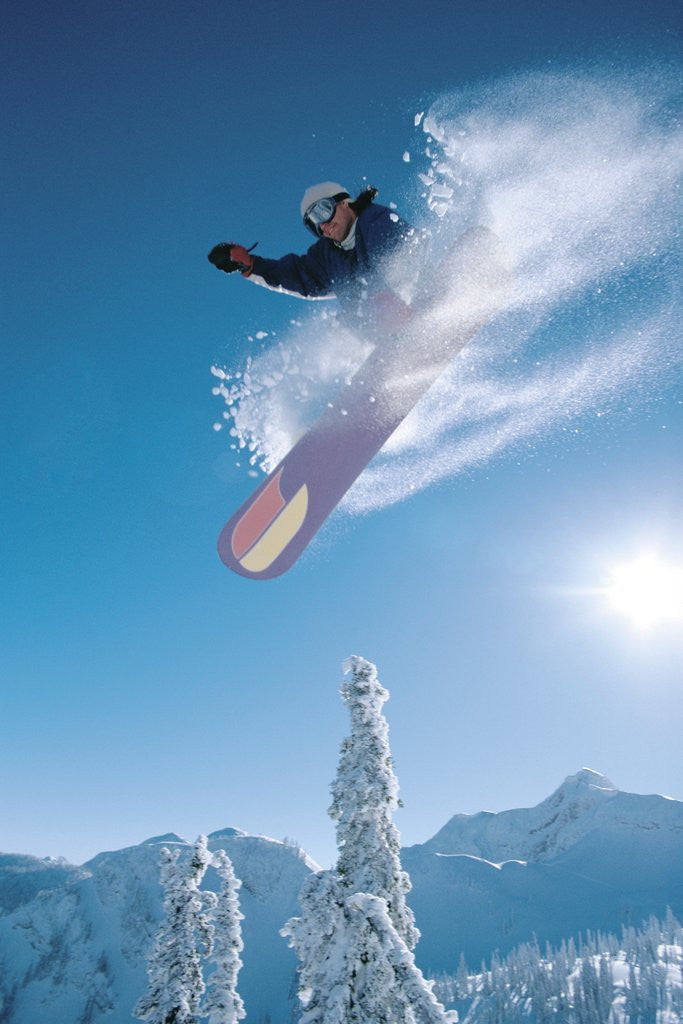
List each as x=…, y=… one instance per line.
x=223, y=1004
x=174, y=966
x=356, y=934
x=365, y=794
x=320, y=940
x=387, y=984
x=462, y=979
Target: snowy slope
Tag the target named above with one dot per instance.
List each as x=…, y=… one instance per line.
x=77, y=952
x=23, y=877
x=589, y=856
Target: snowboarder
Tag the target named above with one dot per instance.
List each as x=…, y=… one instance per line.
x=348, y=260
x=352, y=260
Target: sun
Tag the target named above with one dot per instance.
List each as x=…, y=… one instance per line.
x=648, y=590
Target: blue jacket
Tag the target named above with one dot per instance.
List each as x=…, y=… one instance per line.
x=326, y=270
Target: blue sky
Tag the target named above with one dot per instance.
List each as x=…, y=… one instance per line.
x=145, y=688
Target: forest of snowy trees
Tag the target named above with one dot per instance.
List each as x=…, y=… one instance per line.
x=635, y=978
x=355, y=934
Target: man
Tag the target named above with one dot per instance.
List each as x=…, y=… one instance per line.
x=348, y=260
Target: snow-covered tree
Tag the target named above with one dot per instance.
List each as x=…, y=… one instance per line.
x=365, y=795
x=462, y=979
x=222, y=1003
x=356, y=934
x=174, y=966
x=320, y=941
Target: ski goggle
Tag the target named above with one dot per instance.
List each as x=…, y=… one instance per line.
x=322, y=210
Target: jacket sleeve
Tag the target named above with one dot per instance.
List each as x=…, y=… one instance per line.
x=305, y=275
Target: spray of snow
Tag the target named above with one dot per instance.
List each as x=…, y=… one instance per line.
x=577, y=175
x=280, y=392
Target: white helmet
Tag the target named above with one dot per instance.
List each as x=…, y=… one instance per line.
x=325, y=190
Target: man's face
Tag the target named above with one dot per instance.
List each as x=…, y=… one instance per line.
x=339, y=225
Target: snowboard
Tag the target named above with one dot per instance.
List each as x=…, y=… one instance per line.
x=271, y=529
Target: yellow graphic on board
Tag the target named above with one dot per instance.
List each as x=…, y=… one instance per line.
x=279, y=533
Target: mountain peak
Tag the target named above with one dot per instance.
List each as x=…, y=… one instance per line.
x=587, y=778
x=168, y=837
x=223, y=833
x=533, y=833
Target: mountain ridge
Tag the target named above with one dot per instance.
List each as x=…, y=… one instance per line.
x=539, y=833
x=594, y=858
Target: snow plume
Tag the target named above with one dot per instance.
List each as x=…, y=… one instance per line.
x=283, y=389
x=576, y=173
x=476, y=411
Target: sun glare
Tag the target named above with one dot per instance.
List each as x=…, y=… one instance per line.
x=647, y=590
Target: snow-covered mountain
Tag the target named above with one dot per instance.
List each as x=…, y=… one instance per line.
x=75, y=953
x=587, y=857
x=23, y=877
x=74, y=940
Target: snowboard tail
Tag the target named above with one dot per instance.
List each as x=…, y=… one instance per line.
x=268, y=533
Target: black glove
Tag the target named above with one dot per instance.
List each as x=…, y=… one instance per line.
x=229, y=257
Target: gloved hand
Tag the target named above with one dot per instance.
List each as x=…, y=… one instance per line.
x=229, y=256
